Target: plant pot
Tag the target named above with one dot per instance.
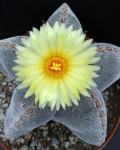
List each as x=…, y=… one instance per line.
x=113, y=110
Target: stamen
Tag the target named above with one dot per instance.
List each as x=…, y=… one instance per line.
x=56, y=66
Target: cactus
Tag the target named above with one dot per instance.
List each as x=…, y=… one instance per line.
x=88, y=120
x=109, y=63
x=23, y=115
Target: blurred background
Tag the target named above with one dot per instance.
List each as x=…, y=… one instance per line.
x=100, y=20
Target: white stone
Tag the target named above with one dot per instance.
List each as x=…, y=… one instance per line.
x=5, y=105
x=22, y=140
x=71, y=139
x=38, y=146
x=118, y=87
x=2, y=117
x=106, y=93
x=1, y=110
x=4, y=83
x=24, y=147
x=55, y=142
x=67, y=144
x=28, y=136
x=2, y=95
x=52, y=124
x=45, y=133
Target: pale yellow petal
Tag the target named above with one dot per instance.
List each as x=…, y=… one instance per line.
x=56, y=64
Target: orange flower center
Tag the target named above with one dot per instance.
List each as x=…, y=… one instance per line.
x=56, y=67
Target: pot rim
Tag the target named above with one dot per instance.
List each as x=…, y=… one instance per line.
x=3, y=145
x=109, y=138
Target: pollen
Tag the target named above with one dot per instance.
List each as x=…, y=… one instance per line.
x=56, y=67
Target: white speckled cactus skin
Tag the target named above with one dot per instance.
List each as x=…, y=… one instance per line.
x=109, y=63
x=7, y=55
x=23, y=115
x=88, y=120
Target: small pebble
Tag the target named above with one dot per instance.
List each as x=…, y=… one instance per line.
x=4, y=83
x=5, y=105
x=24, y=147
x=2, y=117
x=52, y=124
x=22, y=140
x=67, y=144
x=1, y=110
x=2, y=95
x=54, y=142
x=38, y=146
x=44, y=128
x=45, y=133
x=28, y=136
x=71, y=139
x=106, y=97
x=118, y=87
x=106, y=93
x=48, y=139
x=60, y=138
x=33, y=144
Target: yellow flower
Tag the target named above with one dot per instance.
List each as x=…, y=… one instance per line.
x=57, y=65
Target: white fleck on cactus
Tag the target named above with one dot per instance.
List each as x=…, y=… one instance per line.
x=88, y=120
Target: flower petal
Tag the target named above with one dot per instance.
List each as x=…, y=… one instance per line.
x=88, y=120
x=67, y=17
x=109, y=63
x=23, y=115
x=7, y=55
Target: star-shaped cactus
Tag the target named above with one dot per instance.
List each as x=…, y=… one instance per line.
x=87, y=120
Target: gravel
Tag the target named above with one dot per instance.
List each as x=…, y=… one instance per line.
x=51, y=136
x=45, y=133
